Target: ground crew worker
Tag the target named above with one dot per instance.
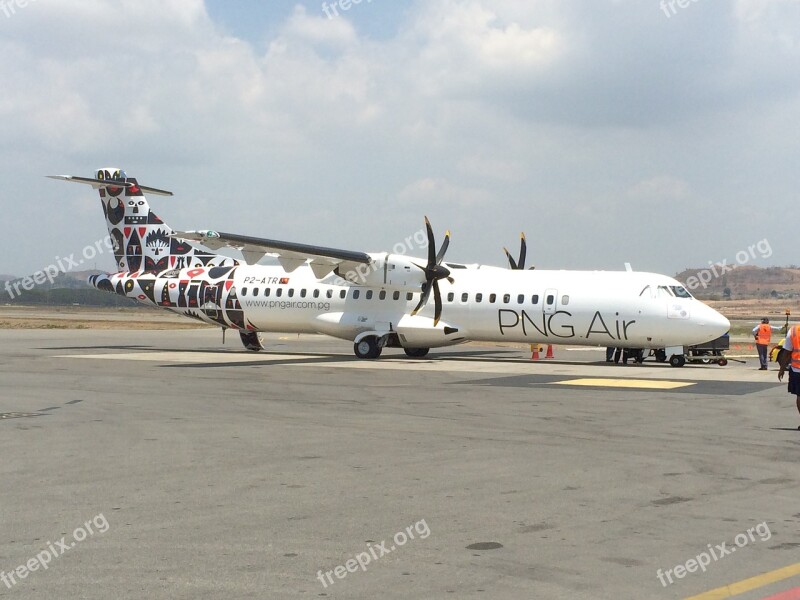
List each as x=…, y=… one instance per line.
x=763, y=333
x=789, y=359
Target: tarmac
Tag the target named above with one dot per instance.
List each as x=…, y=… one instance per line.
x=175, y=467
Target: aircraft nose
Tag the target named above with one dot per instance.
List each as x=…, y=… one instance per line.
x=714, y=322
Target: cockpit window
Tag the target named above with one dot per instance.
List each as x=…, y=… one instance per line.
x=680, y=291
x=646, y=290
x=664, y=292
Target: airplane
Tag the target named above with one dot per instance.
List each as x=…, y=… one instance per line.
x=383, y=300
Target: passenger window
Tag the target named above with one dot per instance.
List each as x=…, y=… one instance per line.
x=267, y=293
x=279, y=292
x=382, y=295
x=564, y=300
x=329, y=294
x=291, y=292
x=506, y=298
x=316, y=293
x=521, y=299
x=451, y=296
x=535, y=299
x=465, y=297
x=409, y=296
x=303, y=293
x=478, y=298
x=244, y=291
x=255, y=291
x=396, y=295
x=551, y=299
x=343, y=294
x=369, y=294
x=356, y=294
x=492, y=298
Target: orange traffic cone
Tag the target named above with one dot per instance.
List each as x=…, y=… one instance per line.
x=549, y=351
x=534, y=351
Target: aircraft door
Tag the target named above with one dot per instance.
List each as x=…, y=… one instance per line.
x=550, y=304
x=211, y=302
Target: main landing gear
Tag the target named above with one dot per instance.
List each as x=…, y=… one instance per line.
x=417, y=352
x=369, y=347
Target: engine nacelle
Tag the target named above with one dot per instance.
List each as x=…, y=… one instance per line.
x=419, y=332
x=392, y=271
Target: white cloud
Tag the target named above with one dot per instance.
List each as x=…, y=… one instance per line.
x=659, y=189
x=433, y=191
x=512, y=115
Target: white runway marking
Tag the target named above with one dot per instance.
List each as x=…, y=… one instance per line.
x=192, y=357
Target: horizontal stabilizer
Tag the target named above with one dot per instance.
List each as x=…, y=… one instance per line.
x=107, y=183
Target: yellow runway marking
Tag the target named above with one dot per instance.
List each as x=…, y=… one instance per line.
x=747, y=585
x=647, y=384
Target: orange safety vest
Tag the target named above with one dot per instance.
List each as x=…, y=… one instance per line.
x=764, y=334
x=795, y=337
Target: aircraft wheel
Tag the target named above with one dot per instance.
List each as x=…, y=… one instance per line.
x=367, y=348
x=417, y=352
x=722, y=362
x=676, y=360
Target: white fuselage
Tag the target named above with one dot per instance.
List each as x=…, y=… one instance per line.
x=593, y=308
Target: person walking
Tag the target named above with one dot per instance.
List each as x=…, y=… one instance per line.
x=763, y=335
x=789, y=359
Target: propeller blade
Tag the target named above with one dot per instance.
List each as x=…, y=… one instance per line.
x=437, y=299
x=523, y=252
x=511, y=262
x=434, y=271
x=431, y=244
x=443, y=249
x=426, y=294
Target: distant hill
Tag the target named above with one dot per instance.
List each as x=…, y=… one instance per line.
x=67, y=289
x=743, y=282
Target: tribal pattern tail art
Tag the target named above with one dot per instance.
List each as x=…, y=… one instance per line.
x=140, y=238
x=160, y=270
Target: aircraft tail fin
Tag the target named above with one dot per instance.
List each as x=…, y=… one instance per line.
x=141, y=240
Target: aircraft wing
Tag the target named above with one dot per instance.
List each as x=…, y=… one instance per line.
x=290, y=255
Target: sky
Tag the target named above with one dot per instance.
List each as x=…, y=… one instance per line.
x=610, y=131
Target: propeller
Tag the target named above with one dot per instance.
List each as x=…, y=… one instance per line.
x=434, y=271
x=518, y=265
